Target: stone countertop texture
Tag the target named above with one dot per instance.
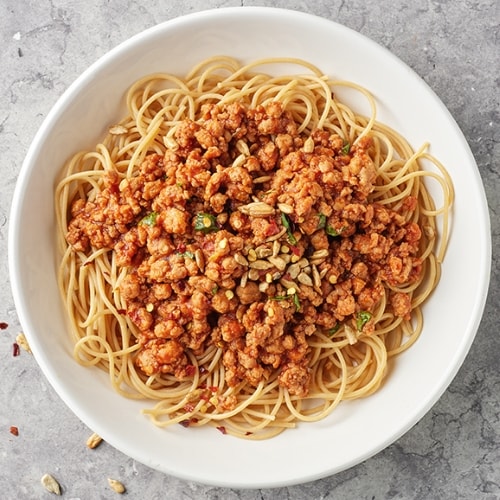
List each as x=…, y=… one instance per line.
x=454, y=451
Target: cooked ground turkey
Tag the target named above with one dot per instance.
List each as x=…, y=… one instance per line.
x=249, y=236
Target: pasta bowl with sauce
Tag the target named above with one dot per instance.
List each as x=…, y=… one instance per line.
x=395, y=395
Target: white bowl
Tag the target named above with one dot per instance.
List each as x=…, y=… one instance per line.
x=356, y=430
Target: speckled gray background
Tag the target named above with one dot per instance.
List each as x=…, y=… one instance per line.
x=454, y=451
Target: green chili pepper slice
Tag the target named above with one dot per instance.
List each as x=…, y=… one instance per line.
x=206, y=223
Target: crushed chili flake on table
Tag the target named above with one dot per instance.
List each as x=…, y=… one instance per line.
x=14, y=430
x=3, y=325
x=15, y=349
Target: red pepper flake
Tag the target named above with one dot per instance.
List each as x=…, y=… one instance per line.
x=295, y=250
x=14, y=430
x=185, y=423
x=3, y=325
x=190, y=370
x=114, y=188
x=121, y=311
x=208, y=246
x=213, y=388
x=272, y=228
x=15, y=349
x=222, y=429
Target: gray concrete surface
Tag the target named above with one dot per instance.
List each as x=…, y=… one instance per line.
x=454, y=451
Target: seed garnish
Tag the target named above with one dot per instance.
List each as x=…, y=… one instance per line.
x=50, y=484
x=116, y=485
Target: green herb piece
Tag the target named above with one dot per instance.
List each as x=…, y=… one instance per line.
x=294, y=297
x=189, y=255
x=334, y=330
x=346, y=148
x=280, y=297
x=288, y=226
x=332, y=231
x=149, y=220
x=215, y=289
x=362, y=318
x=322, y=221
x=205, y=223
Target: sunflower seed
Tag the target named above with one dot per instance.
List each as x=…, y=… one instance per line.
x=94, y=441
x=293, y=270
x=263, y=251
x=309, y=145
x=118, y=130
x=22, y=342
x=288, y=284
x=239, y=161
x=261, y=265
x=116, y=485
x=304, y=279
x=244, y=280
x=315, y=276
x=200, y=259
x=316, y=262
x=257, y=209
x=277, y=262
x=50, y=484
x=240, y=259
x=286, y=257
x=285, y=208
x=242, y=147
x=277, y=236
x=262, y=179
x=276, y=248
x=320, y=254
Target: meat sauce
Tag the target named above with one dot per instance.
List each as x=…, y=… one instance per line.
x=249, y=236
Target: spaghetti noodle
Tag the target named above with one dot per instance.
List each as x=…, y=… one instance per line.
x=245, y=249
